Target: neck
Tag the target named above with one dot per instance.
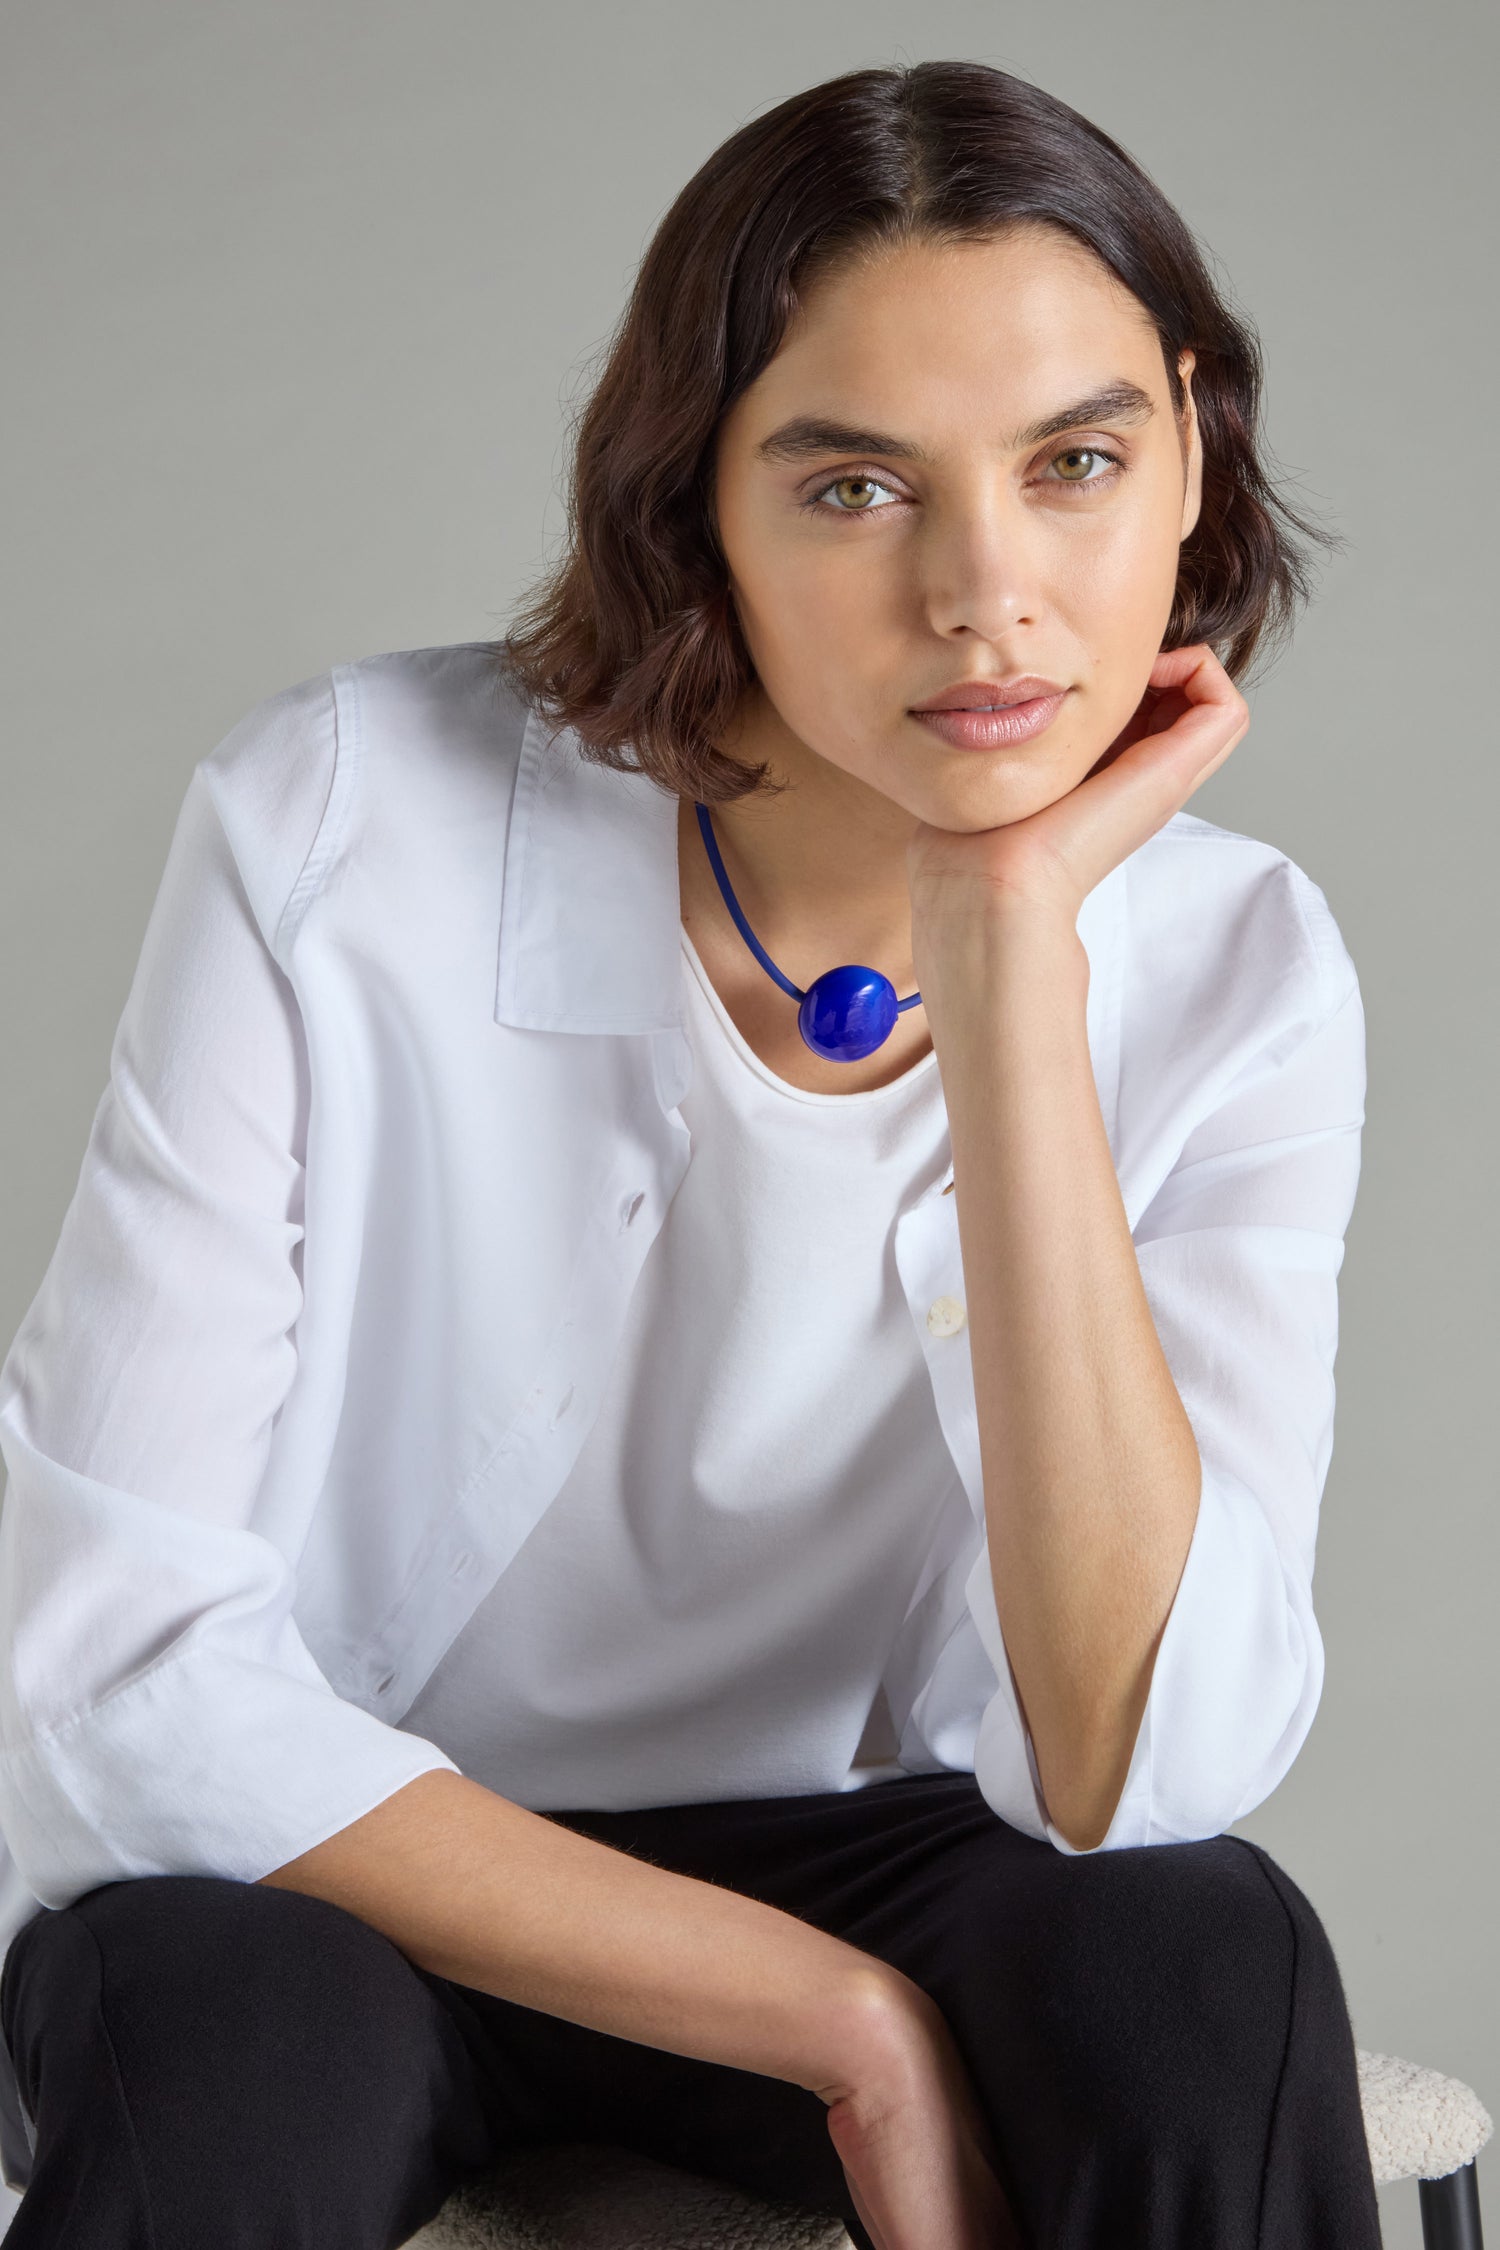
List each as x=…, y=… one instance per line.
x=820, y=866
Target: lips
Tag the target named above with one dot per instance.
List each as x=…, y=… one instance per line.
x=989, y=695
x=991, y=714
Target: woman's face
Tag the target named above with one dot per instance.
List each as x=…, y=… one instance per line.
x=930, y=488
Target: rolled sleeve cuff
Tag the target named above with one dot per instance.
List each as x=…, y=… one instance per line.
x=209, y=1763
x=1233, y=1693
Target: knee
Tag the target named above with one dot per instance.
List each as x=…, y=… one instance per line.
x=1144, y=1986
x=1190, y=1946
x=190, y=1963
x=248, y=2061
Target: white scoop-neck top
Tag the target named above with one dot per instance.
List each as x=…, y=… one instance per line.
x=390, y=1129
x=707, y=1606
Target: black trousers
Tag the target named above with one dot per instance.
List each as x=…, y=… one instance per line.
x=1159, y=2038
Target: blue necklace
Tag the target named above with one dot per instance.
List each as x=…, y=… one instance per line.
x=845, y=1014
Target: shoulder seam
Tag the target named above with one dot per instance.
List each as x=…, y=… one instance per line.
x=348, y=746
x=1306, y=893
x=1314, y=915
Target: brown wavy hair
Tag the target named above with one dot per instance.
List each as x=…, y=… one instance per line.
x=632, y=639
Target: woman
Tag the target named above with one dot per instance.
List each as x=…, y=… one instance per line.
x=663, y=1487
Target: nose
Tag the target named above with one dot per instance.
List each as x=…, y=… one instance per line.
x=980, y=570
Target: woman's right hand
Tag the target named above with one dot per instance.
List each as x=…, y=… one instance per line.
x=486, y=1893
x=915, y=2146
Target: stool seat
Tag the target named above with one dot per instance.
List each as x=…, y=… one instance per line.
x=583, y=2196
x=1420, y=2125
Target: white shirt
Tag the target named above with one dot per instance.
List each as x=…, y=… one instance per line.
x=394, y=1116
x=708, y=1606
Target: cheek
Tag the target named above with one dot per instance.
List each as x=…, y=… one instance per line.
x=1118, y=589
x=809, y=612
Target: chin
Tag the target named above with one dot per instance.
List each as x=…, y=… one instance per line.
x=998, y=800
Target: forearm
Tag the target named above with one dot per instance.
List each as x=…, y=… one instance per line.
x=488, y=1894
x=1090, y=1468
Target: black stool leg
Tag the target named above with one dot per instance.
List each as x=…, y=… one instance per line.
x=1450, y=2211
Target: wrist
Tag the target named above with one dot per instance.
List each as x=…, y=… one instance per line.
x=876, y=2031
x=985, y=960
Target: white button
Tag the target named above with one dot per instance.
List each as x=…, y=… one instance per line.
x=946, y=1316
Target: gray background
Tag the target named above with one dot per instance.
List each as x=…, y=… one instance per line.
x=301, y=296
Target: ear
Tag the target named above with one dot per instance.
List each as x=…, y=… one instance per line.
x=1192, y=499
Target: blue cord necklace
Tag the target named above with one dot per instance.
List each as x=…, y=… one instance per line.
x=844, y=1014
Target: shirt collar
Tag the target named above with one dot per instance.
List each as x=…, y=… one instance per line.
x=591, y=915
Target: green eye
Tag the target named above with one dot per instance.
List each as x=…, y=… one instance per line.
x=853, y=495
x=1075, y=465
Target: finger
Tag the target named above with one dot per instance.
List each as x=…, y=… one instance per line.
x=1195, y=669
x=1180, y=682
x=1188, y=680
x=1124, y=802
x=1115, y=810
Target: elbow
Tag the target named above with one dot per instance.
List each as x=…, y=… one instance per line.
x=1081, y=1814
x=1096, y=1753
x=1083, y=1832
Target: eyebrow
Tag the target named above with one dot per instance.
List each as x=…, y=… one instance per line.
x=808, y=435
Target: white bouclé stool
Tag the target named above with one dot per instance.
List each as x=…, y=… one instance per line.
x=1421, y=2126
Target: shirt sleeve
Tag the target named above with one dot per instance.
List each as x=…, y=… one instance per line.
x=160, y=1712
x=1239, y=1251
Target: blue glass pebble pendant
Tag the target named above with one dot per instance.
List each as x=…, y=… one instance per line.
x=847, y=1013
x=844, y=1014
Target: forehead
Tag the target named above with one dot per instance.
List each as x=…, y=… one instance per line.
x=922, y=335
